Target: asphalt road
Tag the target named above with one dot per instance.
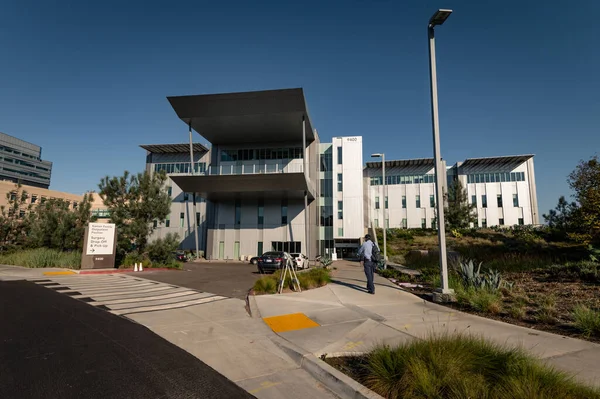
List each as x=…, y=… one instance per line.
x=232, y=280
x=53, y=346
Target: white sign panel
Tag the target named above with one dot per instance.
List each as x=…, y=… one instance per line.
x=101, y=239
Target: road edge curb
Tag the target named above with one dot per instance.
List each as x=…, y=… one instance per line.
x=338, y=382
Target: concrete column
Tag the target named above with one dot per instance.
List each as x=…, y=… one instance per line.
x=195, y=224
x=306, y=218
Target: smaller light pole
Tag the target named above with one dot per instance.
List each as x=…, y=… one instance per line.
x=382, y=156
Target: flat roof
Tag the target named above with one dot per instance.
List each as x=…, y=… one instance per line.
x=173, y=148
x=246, y=117
x=496, y=161
x=402, y=163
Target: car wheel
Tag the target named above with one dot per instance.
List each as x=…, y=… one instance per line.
x=254, y=262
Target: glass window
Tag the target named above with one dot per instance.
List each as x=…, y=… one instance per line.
x=340, y=183
x=487, y=177
x=340, y=210
x=168, y=221
x=404, y=202
x=499, y=200
x=386, y=202
x=418, y=201
x=181, y=219
x=197, y=218
x=496, y=177
x=501, y=221
x=340, y=231
x=432, y=201
x=433, y=223
x=515, y=200
x=484, y=223
x=169, y=191
x=238, y=212
x=521, y=222
x=423, y=223
x=404, y=224
x=155, y=223
x=376, y=222
x=513, y=176
x=387, y=223
x=34, y=199
x=339, y=155
x=260, y=248
x=474, y=200
x=284, y=212
x=484, y=201
x=522, y=176
x=376, y=202
x=185, y=196
x=13, y=196
x=21, y=213
x=261, y=213
x=476, y=178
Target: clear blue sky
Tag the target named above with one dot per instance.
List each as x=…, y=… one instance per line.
x=87, y=80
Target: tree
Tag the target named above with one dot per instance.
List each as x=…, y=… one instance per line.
x=562, y=217
x=13, y=223
x=585, y=181
x=459, y=213
x=134, y=202
x=55, y=225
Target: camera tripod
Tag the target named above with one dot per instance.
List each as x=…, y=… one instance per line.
x=293, y=276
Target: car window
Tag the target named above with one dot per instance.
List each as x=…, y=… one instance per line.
x=295, y=255
x=272, y=254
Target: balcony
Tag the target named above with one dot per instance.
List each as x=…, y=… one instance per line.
x=248, y=180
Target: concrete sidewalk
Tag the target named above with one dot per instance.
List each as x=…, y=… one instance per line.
x=8, y=273
x=352, y=321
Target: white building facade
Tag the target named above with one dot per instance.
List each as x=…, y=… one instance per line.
x=503, y=189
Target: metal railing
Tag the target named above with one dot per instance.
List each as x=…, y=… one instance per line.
x=253, y=169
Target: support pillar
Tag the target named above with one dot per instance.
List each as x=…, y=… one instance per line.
x=305, y=168
x=194, y=193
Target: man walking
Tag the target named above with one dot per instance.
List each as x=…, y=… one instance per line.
x=366, y=255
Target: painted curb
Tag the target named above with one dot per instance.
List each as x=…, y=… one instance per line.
x=254, y=311
x=158, y=269
x=338, y=382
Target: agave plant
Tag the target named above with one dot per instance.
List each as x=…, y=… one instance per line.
x=325, y=262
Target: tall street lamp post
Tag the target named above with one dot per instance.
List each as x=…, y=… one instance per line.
x=438, y=18
x=382, y=156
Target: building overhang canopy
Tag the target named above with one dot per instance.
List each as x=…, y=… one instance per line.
x=496, y=161
x=402, y=163
x=250, y=117
x=173, y=148
x=224, y=187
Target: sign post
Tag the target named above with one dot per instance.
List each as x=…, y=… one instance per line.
x=99, y=246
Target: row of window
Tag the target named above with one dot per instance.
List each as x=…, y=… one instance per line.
x=33, y=199
x=400, y=179
x=25, y=173
x=261, y=154
x=417, y=202
x=500, y=177
x=499, y=201
x=16, y=152
x=24, y=163
x=180, y=167
x=404, y=225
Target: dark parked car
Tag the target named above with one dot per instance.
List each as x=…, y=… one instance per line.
x=269, y=262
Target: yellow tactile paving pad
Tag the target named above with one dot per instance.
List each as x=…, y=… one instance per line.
x=65, y=273
x=289, y=322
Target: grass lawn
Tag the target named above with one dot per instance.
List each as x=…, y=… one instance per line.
x=456, y=367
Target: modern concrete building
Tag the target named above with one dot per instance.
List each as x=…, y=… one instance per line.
x=22, y=162
x=266, y=182
x=35, y=195
x=503, y=188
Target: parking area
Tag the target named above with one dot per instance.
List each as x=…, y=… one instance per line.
x=226, y=279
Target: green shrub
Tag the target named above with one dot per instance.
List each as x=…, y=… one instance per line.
x=42, y=257
x=546, y=314
x=265, y=285
x=464, y=366
x=587, y=320
x=133, y=257
x=161, y=250
x=485, y=301
x=418, y=261
x=517, y=311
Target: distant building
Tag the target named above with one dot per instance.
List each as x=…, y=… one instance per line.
x=36, y=195
x=21, y=161
x=502, y=188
